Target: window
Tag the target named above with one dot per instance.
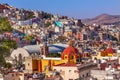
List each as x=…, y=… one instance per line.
x=65, y=57
x=28, y=64
x=83, y=76
x=20, y=56
x=109, y=64
x=60, y=70
x=54, y=70
x=24, y=58
x=114, y=63
x=69, y=70
x=87, y=74
x=71, y=57
x=75, y=71
x=12, y=75
x=16, y=74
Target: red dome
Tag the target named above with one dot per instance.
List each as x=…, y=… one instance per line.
x=107, y=51
x=110, y=50
x=70, y=50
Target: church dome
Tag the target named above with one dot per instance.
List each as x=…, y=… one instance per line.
x=110, y=50
x=70, y=50
x=107, y=51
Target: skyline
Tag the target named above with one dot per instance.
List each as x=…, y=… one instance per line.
x=77, y=9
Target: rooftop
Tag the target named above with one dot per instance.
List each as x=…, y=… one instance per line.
x=53, y=48
x=3, y=7
x=67, y=65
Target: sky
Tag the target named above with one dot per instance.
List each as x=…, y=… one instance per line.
x=72, y=8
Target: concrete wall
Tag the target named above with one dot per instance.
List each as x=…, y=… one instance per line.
x=101, y=74
x=67, y=72
x=28, y=65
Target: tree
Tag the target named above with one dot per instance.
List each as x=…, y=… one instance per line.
x=5, y=25
x=47, y=24
x=29, y=15
x=61, y=38
x=8, y=65
x=4, y=51
x=2, y=60
x=29, y=38
x=9, y=44
x=46, y=15
x=53, y=55
x=5, y=47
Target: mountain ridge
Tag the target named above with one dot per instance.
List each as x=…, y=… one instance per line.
x=103, y=19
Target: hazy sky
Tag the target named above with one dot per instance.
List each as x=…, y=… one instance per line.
x=71, y=8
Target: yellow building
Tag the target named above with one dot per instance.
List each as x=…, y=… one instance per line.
x=107, y=53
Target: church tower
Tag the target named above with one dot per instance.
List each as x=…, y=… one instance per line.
x=44, y=47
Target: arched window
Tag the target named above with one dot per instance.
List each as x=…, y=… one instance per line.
x=65, y=57
x=20, y=56
x=71, y=57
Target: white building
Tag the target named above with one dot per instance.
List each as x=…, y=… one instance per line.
x=71, y=71
x=26, y=51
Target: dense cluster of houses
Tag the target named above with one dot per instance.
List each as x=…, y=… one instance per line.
x=84, y=52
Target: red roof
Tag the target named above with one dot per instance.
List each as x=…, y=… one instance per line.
x=107, y=51
x=67, y=65
x=114, y=66
x=3, y=7
x=110, y=50
x=103, y=66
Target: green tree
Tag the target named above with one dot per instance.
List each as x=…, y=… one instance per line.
x=29, y=15
x=53, y=55
x=9, y=44
x=5, y=25
x=8, y=65
x=61, y=38
x=4, y=51
x=47, y=24
x=2, y=60
x=6, y=45
x=46, y=15
x=29, y=38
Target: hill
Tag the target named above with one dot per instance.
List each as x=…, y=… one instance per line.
x=103, y=19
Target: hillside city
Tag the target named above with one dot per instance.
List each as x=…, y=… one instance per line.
x=36, y=45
